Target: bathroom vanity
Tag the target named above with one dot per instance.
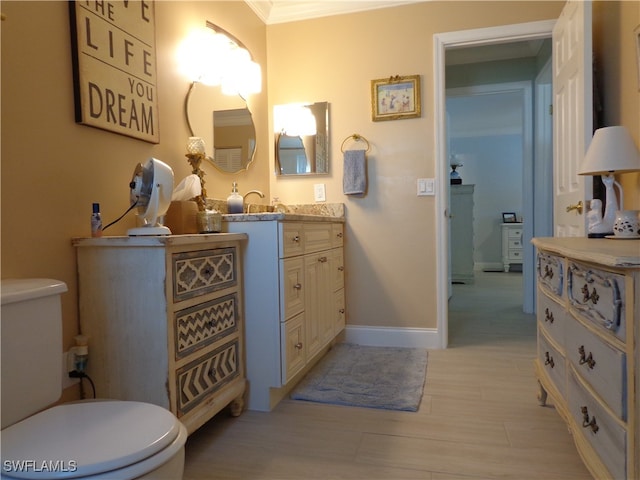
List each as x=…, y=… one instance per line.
x=588, y=316
x=165, y=321
x=295, y=302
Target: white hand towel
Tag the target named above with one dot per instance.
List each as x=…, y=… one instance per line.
x=354, y=178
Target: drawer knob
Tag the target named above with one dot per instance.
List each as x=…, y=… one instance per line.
x=322, y=259
x=548, y=359
x=586, y=422
x=548, y=315
x=548, y=272
x=298, y=286
x=296, y=238
x=341, y=311
x=298, y=346
x=584, y=359
x=593, y=296
x=339, y=235
x=341, y=268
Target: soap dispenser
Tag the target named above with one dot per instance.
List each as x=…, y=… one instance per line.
x=235, y=202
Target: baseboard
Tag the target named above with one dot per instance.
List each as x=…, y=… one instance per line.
x=393, y=337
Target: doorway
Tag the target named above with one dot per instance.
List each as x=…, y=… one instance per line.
x=442, y=43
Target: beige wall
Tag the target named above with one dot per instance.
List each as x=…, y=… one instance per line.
x=53, y=169
x=618, y=75
x=390, y=241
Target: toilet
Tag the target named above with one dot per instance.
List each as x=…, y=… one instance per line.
x=106, y=439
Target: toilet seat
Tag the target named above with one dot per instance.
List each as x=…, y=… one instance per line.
x=89, y=439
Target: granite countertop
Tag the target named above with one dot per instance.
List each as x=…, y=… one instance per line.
x=283, y=216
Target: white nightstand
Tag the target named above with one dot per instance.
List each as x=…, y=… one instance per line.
x=511, y=244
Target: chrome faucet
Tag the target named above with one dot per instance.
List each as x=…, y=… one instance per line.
x=257, y=192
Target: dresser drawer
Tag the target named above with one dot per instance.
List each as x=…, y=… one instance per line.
x=204, y=324
x=515, y=243
x=515, y=255
x=602, y=431
x=598, y=297
x=317, y=237
x=514, y=232
x=293, y=288
x=206, y=375
x=294, y=350
x=552, y=361
x=203, y=271
x=600, y=364
x=291, y=239
x=551, y=317
x=550, y=271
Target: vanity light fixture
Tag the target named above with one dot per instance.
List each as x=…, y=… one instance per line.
x=611, y=151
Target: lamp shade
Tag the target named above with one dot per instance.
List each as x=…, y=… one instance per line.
x=611, y=150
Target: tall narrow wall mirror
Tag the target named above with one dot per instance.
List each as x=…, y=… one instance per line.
x=223, y=121
x=302, y=138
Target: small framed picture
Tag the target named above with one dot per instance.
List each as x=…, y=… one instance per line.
x=509, y=217
x=396, y=97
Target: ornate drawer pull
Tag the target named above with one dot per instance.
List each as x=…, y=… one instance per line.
x=589, y=423
x=548, y=272
x=296, y=238
x=298, y=286
x=339, y=235
x=584, y=359
x=548, y=359
x=593, y=296
x=548, y=315
x=298, y=346
x=322, y=259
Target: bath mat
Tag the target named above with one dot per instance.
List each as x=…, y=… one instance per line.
x=375, y=377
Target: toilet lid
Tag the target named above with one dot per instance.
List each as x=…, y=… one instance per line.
x=86, y=438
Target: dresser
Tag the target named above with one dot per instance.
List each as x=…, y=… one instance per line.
x=511, y=244
x=295, y=307
x=164, y=316
x=461, y=251
x=588, y=318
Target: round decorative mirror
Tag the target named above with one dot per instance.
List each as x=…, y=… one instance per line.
x=225, y=124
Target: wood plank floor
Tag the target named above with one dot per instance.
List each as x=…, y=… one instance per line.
x=479, y=417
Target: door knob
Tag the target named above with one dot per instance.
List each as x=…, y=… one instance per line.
x=577, y=207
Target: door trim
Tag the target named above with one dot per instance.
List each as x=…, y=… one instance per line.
x=442, y=41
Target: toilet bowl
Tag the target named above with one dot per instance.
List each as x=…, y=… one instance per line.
x=108, y=439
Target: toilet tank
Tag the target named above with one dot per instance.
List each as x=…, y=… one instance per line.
x=31, y=337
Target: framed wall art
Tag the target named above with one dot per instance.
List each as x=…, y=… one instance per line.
x=395, y=98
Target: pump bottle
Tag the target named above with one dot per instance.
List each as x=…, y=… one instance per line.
x=235, y=202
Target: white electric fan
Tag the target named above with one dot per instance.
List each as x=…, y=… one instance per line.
x=151, y=189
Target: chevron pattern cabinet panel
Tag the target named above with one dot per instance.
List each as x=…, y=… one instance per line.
x=165, y=317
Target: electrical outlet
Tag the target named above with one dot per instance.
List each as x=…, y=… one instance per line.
x=67, y=366
x=319, y=192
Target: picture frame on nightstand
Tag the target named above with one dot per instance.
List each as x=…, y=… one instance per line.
x=509, y=217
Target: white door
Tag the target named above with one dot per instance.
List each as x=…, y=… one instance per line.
x=573, y=116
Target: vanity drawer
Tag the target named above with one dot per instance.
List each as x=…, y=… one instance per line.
x=551, y=317
x=601, y=365
x=292, y=281
x=602, y=431
x=337, y=268
x=552, y=361
x=317, y=237
x=205, y=323
x=598, y=297
x=206, y=375
x=550, y=271
x=340, y=315
x=337, y=234
x=293, y=347
x=203, y=271
x=292, y=239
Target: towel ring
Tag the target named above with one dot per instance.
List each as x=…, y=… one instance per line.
x=357, y=138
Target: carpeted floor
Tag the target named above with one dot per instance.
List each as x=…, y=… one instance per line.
x=375, y=377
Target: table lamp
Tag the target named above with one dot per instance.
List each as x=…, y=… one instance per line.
x=611, y=151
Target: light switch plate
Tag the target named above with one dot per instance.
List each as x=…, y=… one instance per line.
x=426, y=187
x=319, y=192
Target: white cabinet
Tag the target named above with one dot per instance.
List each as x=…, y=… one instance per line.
x=164, y=320
x=587, y=361
x=295, y=303
x=461, y=251
x=511, y=244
